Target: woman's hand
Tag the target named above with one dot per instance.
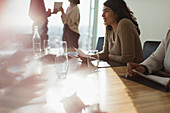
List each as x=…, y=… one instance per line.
x=49, y=13
x=55, y=11
x=135, y=66
x=61, y=9
x=84, y=59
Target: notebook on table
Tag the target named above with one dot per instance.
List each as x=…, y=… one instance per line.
x=159, y=82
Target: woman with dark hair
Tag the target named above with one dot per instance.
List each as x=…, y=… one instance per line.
x=122, y=42
x=71, y=20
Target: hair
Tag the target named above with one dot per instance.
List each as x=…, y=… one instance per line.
x=76, y=2
x=122, y=10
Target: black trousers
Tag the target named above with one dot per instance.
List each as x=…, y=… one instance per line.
x=70, y=37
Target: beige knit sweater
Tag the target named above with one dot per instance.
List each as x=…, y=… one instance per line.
x=126, y=47
x=72, y=19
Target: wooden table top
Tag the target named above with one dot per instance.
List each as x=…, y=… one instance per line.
x=42, y=93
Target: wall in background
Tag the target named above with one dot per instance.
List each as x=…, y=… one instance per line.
x=153, y=17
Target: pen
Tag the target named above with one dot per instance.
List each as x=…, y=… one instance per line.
x=126, y=76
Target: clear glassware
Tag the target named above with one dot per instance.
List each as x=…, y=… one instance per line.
x=63, y=47
x=46, y=46
x=36, y=43
x=62, y=60
x=54, y=47
x=93, y=60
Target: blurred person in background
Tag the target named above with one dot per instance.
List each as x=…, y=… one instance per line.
x=39, y=15
x=71, y=20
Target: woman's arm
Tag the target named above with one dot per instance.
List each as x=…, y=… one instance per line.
x=155, y=61
x=72, y=17
x=126, y=34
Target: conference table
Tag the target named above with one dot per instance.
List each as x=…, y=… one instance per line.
x=32, y=86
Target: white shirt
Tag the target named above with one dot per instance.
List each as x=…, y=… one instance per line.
x=161, y=57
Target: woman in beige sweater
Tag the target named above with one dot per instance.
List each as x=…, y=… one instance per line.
x=122, y=43
x=71, y=20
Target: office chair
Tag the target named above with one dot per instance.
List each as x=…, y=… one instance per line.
x=100, y=43
x=149, y=47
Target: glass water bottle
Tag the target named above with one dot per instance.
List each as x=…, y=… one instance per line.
x=36, y=43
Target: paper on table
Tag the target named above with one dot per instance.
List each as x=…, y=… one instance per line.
x=80, y=53
x=73, y=54
x=103, y=64
x=54, y=51
x=161, y=80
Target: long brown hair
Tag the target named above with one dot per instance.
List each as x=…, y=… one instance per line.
x=76, y=2
x=122, y=10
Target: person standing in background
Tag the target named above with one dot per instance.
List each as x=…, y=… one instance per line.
x=39, y=15
x=2, y=3
x=71, y=20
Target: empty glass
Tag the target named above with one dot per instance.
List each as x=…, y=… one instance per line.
x=46, y=46
x=62, y=60
x=93, y=60
x=54, y=47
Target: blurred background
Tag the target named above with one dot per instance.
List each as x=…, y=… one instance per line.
x=152, y=15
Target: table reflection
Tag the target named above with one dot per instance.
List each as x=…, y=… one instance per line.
x=26, y=82
x=16, y=89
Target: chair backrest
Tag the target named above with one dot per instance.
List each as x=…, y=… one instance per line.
x=149, y=47
x=100, y=43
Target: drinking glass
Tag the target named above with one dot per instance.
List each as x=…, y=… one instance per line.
x=62, y=60
x=46, y=46
x=54, y=47
x=93, y=60
x=63, y=46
